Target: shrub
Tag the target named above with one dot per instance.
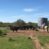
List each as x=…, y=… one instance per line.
x=30, y=38
x=11, y=39
x=3, y=32
x=41, y=44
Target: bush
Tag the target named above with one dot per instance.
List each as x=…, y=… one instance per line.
x=41, y=44
x=11, y=39
x=30, y=38
x=2, y=32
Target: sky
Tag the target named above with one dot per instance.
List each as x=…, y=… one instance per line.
x=27, y=10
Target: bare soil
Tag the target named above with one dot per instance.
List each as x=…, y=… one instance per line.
x=47, y=45
x=21, y=32
x=31, y=33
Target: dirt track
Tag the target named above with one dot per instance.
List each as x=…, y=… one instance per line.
x=28, y=33
x=21, y=32
x=31, y=33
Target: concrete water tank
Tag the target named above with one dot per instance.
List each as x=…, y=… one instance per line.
x=43, y=21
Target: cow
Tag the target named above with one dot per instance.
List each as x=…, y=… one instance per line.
x=46, y=28
x=14, y=28
x=27, y=27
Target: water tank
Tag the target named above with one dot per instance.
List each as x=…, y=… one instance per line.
x=43, y=21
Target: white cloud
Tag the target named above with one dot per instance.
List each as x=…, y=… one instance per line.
x=29, y=10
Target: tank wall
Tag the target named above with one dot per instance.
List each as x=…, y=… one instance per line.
x=43, y=21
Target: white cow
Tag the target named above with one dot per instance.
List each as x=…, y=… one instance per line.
x=46, y=28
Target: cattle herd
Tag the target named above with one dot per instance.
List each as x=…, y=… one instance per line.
x=16, y=28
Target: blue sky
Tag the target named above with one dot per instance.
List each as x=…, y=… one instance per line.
x=27, y=10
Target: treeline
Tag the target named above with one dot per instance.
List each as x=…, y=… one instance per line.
x=4, y=24
x=19, y=22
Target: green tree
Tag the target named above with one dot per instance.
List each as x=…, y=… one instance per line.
x=29, y=23
x=20, y=22
x=32, y=24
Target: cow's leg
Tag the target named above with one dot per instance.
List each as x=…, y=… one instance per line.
x=16, y=30
x=47, y=29
x=13, y=30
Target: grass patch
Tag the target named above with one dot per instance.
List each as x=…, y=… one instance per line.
x=3, y=32
x=20, y=42
x=44, y=40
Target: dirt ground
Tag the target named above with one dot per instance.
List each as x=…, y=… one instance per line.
x=28, y=33
x=21, y=32
x=31, y=33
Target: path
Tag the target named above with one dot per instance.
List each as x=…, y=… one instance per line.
x=37, y=43
x=30, y=33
